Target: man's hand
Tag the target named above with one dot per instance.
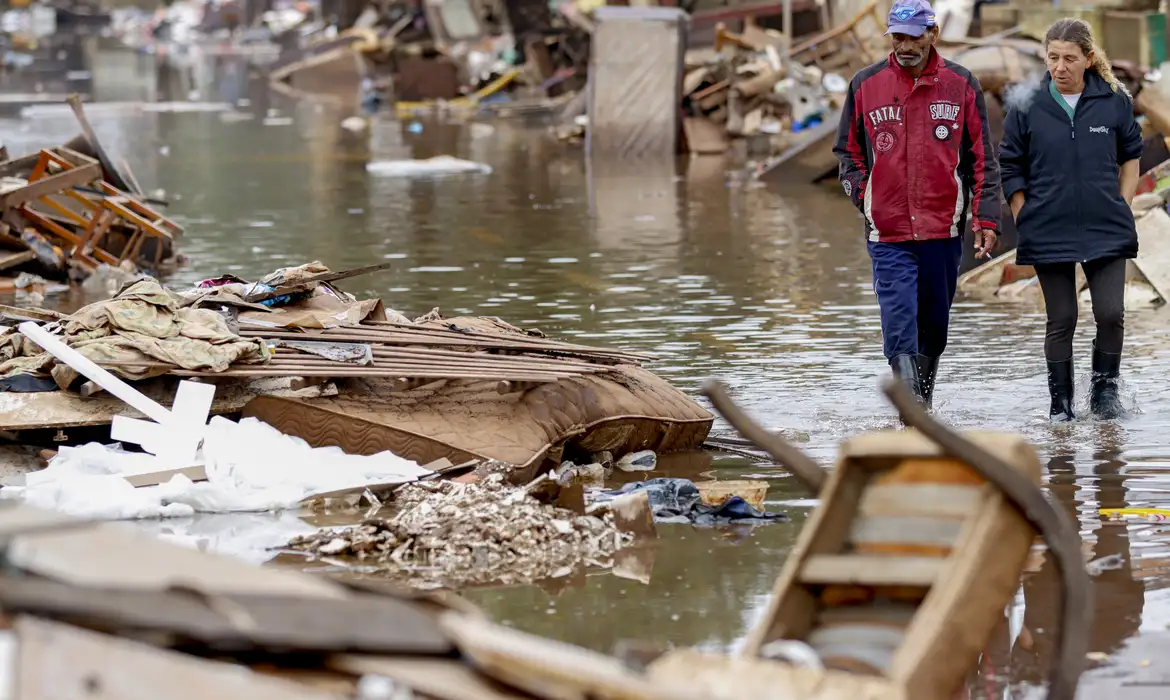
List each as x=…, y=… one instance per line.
x=985, y=241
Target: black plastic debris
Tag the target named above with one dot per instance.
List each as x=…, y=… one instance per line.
x=674, y=500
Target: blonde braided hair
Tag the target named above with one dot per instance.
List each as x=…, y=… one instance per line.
x=1079, y=32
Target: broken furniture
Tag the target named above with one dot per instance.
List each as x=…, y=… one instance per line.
x=65, y=201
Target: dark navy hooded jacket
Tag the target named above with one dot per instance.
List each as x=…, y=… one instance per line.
x=1068, y=170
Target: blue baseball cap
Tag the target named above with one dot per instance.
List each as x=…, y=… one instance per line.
x=910, y=17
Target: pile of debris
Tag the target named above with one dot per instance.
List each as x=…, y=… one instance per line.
x=67, y=212
x=749, y=93
x=457, y=55
x=458, y=534
x=760, y=87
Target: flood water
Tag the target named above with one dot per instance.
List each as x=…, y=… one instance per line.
x=768, y=290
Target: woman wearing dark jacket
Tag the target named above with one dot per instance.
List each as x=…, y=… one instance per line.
x=1069, y=164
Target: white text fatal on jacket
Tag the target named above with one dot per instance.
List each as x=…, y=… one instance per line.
x=889, y=113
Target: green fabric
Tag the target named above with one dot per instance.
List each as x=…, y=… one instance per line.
x=1068, y=109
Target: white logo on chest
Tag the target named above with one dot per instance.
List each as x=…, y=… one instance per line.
x=1098, y=130
x=944, y=111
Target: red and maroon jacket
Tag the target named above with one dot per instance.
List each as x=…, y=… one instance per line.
x=916, y=155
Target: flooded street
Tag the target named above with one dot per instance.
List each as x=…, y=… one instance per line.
x=768, y=290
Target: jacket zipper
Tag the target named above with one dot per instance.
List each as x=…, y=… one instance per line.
x=913, y=207
x=1077, y=156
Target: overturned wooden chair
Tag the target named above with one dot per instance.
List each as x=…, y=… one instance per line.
x=67, y=198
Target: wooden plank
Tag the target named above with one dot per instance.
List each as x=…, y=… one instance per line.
x=553, y=669
x=406, y=372
x=17, y=167
x=51, y=185
x=8, y=260
x=360, y=623
x=114, y=555
x=439, y=679
x=41, y=315
x=352, y=334
x=315, y=279
x=1153, y=258
x=872, y=570
x=927, y=500
x=59, y=662
x=107, y=163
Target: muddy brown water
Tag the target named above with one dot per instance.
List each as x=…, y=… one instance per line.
x=768, y=290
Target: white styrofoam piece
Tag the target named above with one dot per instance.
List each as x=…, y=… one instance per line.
x=101, y=377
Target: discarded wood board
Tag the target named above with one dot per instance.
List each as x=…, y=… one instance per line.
x=114, y=555
x=1153, y=258
x=62, y=409
x=987, y=277
x=908, y=598
x=90, y=139
x=357, y=623
x=635, y=82
x=551, y=669
x=11, y=258
x=61, y=662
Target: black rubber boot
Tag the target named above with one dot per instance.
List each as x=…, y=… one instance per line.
x=1104, y=398
x=905, y=367
x=927, y=368
x=1060, y=386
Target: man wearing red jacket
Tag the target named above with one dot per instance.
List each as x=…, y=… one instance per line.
x=916, y=158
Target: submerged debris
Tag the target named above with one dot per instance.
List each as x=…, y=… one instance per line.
x=453, y=534
x=675, y=500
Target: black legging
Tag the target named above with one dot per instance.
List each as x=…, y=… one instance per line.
x=1107, y=286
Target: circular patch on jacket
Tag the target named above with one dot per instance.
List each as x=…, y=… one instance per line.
x=848, y=187
x=941, y=132
x=884, y=141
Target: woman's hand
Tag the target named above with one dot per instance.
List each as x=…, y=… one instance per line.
x=1017, y=203
x=1130, y=174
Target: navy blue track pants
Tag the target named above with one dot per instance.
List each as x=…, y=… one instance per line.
x=915, y=284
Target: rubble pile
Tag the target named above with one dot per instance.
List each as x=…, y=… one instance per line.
x=746, y=90
x=458, y=534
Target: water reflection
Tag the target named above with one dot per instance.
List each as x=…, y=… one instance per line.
x=769, y=291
